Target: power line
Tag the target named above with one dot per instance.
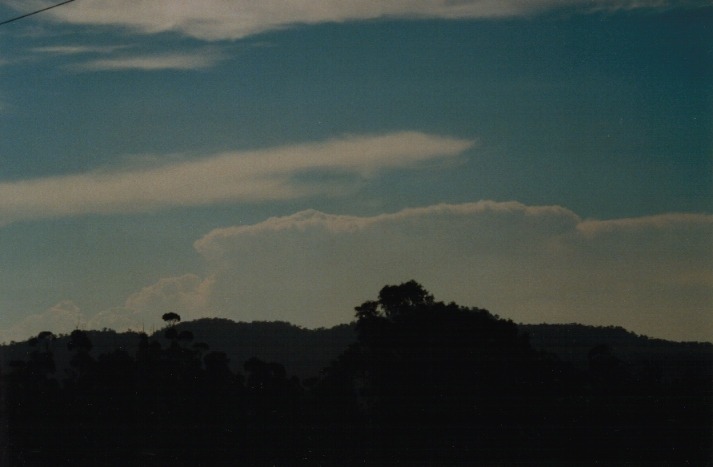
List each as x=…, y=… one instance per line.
x=35, y=12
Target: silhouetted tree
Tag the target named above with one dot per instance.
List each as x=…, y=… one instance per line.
x=171, y=334
x=32, y=397
x=81, y=384
x=420, y=362
x=185, y=336
x=423, y=358
x=79, y=341
x=171, y=318
x=426, y=382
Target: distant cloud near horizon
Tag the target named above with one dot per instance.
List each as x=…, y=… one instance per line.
x=239, y=176
x=225, y=19
x=649, y=274
x=544, y=263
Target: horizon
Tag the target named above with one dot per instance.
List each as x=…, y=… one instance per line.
x=551, y=162
x=157, y=330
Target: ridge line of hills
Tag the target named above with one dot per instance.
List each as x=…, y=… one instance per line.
x=305, y=352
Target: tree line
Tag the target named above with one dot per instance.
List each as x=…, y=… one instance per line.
x=425, y=382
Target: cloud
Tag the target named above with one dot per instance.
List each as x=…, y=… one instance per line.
x=528, y=263
x=234, y=19
x=186, y=295
x=658, y=222
x=62, y=318
x=76, y=49
x=281, y=173
x=531, y=264
x=183, y=61
x=196, y=60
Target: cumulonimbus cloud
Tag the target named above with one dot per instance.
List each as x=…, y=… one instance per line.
x=247, y=176
x=531, y=264
x=234, y=19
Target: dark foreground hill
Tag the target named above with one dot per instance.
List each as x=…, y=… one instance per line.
x=413, y=381
x=668, y=359
x=305, y=352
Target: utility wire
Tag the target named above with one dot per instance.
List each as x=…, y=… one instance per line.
x=34, y=12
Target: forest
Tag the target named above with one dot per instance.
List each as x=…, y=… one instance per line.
x=412, y=381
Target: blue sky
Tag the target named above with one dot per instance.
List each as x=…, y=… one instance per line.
x=550, y=161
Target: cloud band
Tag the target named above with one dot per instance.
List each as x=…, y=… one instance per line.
x=248, y=176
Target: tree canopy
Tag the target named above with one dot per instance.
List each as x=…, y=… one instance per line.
x=171, y=318
x=424, y=382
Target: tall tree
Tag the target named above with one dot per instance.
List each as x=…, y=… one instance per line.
x=171, y=318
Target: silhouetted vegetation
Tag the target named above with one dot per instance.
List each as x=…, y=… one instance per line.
x=418, y=381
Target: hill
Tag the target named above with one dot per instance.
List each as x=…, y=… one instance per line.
x=673, y=361
x=305, y=352
x=422, y=378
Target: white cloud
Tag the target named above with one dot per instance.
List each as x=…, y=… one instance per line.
x=182, y=61
x=120, y=319
x=62, y=318
x=660, y=221
x=270, y=174
x=233, y=19
x=528, y=263
x=76, y=49
x=531, y=264
x=196, y=60
x=186, y=295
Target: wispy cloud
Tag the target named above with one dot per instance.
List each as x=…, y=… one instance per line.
x=249, y=176
x=660, y=221
x=77, y=49
x=109, y=60
x=233, y=19
x=178, y=61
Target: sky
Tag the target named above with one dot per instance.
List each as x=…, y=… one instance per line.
x=549, y=160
